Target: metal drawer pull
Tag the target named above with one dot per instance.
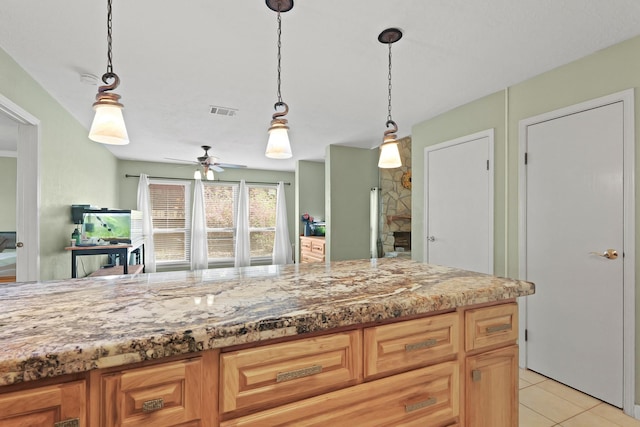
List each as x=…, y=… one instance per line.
x=298, y=373
x=422, y=344
x=476, y=375
x=73, y=422
x=415, y=406
x=498, y=328
x=152, y=405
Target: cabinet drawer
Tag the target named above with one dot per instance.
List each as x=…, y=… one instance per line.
x=411, y=344
x=424, y=397
x=274, y=374
x=489, y=326
x=317, y=247
x=305, y=258
x=45, y=406
x=164, y=395
x=305, y=244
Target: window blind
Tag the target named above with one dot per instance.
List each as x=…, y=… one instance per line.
x=171, y=214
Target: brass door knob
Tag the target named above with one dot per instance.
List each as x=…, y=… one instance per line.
x=609, y=254
x=19, y=244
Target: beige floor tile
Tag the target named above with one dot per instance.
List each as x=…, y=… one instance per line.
x=615, y=415
x=531, y=376
x=567, y=393
x=529, y=418
x=548, y=404
x=523, y=383
x=588, y=419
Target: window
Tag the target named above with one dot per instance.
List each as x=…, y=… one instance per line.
x=171, y=213
x=221, y=201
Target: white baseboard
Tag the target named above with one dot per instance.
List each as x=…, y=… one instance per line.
x=636, y=412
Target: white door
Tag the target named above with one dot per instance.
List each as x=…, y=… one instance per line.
x=459, y=203
x=574, y=213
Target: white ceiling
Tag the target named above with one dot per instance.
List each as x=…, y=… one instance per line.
x=176, y=58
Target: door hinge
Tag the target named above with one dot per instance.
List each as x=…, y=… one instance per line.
x=487, y=164
x=526, y=158
x=526, y=334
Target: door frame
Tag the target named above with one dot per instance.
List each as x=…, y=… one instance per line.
x=28, y=189
x=488, y=133
x=628, y=305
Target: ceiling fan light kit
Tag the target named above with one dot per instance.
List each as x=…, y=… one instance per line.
x=278, y=145
x=108, y=124
x=389, y=152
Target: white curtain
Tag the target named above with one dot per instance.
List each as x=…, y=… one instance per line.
x=144, y=206
x=281, y=244
x=243, y=249
x=199, y=248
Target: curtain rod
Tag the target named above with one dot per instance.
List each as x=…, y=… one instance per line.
x=215, y=180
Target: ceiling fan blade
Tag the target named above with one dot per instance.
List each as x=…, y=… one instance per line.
x=230, y=165
x=181, y=160
x=216, y=168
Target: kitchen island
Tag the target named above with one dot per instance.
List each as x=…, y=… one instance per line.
x=272, y=345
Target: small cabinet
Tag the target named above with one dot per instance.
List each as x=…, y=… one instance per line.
x=163, y=395
x=492, y=389
x=62, y=405
x=312, y=249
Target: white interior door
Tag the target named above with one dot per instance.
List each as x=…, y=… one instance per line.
x=574, y=213
x=459, y=203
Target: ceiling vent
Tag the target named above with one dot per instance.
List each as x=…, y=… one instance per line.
x=223, y=111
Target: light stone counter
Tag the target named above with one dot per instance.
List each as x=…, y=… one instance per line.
x=66, y=326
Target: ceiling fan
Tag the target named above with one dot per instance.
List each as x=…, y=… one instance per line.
x=208, y=162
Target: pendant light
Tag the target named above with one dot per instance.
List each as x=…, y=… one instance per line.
x=389, y=153
x=108, y=124
x=278, y=146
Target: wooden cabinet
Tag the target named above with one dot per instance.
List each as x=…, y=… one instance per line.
x=162, y=395
x=491, y=326
x=280, y=373
x=423, y=397
x=62, y=405
x=492, y=389
x=312, y=249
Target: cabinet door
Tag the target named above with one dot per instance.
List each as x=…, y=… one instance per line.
x=492, y=389
x=58, y=405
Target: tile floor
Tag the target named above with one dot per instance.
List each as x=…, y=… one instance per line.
x=546, y=403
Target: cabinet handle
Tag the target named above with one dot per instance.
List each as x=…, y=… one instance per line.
x=422, y=344
x=476, y=375
x=152, y=405
x=415, y=406
x=73, y=422
x=298, y=373
x=498, y=328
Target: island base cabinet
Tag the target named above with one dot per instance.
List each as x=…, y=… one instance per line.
x=423, y=397
x=58, y=405
x=492, y=389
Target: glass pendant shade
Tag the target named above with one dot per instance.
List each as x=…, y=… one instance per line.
x=210, y=175
x=197, y=174
x=108, y=124
x=389, y=155
x=278, y=146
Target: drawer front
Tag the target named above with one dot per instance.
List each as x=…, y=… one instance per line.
x=280, y=373
x=411, y=344
x=489, y=326
x=305, y=258
x=424, y=397
x=317, y=247
x=163, y=395
x=305, y=244
x=45, y=406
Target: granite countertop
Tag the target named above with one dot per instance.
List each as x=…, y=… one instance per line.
x=66, y=326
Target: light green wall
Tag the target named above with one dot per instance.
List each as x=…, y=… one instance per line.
x=128, y=187
x=608, y=71
x=310, y=195
x=8, y=168
x=350, y=173
x=73, y=169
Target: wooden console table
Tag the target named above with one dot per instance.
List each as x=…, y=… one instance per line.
x=120, y=250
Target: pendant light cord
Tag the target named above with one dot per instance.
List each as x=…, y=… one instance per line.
x=109, y=40
x=389, y=119
x=279, y=54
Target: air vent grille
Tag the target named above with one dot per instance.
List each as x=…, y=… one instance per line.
x=223, y=111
